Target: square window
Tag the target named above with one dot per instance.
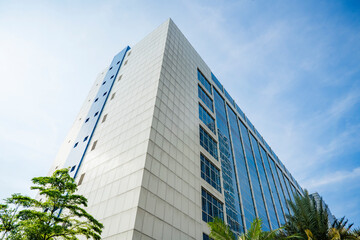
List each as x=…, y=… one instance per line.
x=110, y=68
x=81, y=179
x=112, y=96
x=118, y=62
x=76, y=144
x=94, y=145
x=129, y=53
x=96, y=114
x=125, y=62
x=73, y=168
x=86, y=138
x=87, y=120
x=104, y=83
x=112, y=77
x=104, y=93
x=119, y=77
x=104, y=118
x=96, y=99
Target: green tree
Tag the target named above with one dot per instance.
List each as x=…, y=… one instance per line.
x=58, y=214
x=311, y=221
x=8, y=220
x=256, y=233
x=356, y=233
x=220, y=231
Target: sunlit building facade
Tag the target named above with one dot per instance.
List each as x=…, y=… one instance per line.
x=160, y=148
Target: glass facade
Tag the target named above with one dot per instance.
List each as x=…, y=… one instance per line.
x=207, y=142
x=244, y=182
x=265, y=186
x=210, y=173
x=232, y=200
x=204, y=81
x=206, y=118
x=272, y=187
x=211, y=207
x=205, y=98
x=255, y=182
x=259, y=200
x=206, y=237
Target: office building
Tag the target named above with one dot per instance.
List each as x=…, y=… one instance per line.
x=159, y=148
x=320, y=203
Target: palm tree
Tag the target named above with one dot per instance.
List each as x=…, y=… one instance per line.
x=343, y=229
x=220, y=231
x=356, y=233
x=256, y=233
x=311, y=221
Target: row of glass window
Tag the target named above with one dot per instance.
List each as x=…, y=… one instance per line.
x=211, y=207
x=210, y=173
x=232, y=200
x=206, y=118
x=267, y=188
x=207, y=100
x=208, y=143
x=204, y=81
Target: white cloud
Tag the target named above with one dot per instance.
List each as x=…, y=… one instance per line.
x=333, y=178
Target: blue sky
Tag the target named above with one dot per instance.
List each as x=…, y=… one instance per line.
x=292, y=66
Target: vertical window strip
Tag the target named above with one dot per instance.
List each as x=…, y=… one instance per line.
x=278, y=186
x=210, y=173
x=211, y=207
x=264, y=184
x=243, y=175
x=206, y=118
x=204, y=81
x=208, y=143
x=205, y=98
x=231, y=194
x=216, y=81
x=275, y=194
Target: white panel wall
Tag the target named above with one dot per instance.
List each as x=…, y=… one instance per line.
x=114, y=169
x=143, y=179
x=170, y=200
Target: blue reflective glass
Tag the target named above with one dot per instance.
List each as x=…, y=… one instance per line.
x=275, y=194
x=206, y=237
x=264, y=183
x=206, y=118
x=282, y=182
x=210, y=173
x=232, y=200
x=77, y=154
x=287, y=184
x=207, y=142
x=204, y=82
x=216, y=81
x=278, y=185
x=250, y=124
x=238, y=109
x=260, y=204
x=244, y=182
x=227, y=95
x=205, y=98
x=211, y=207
